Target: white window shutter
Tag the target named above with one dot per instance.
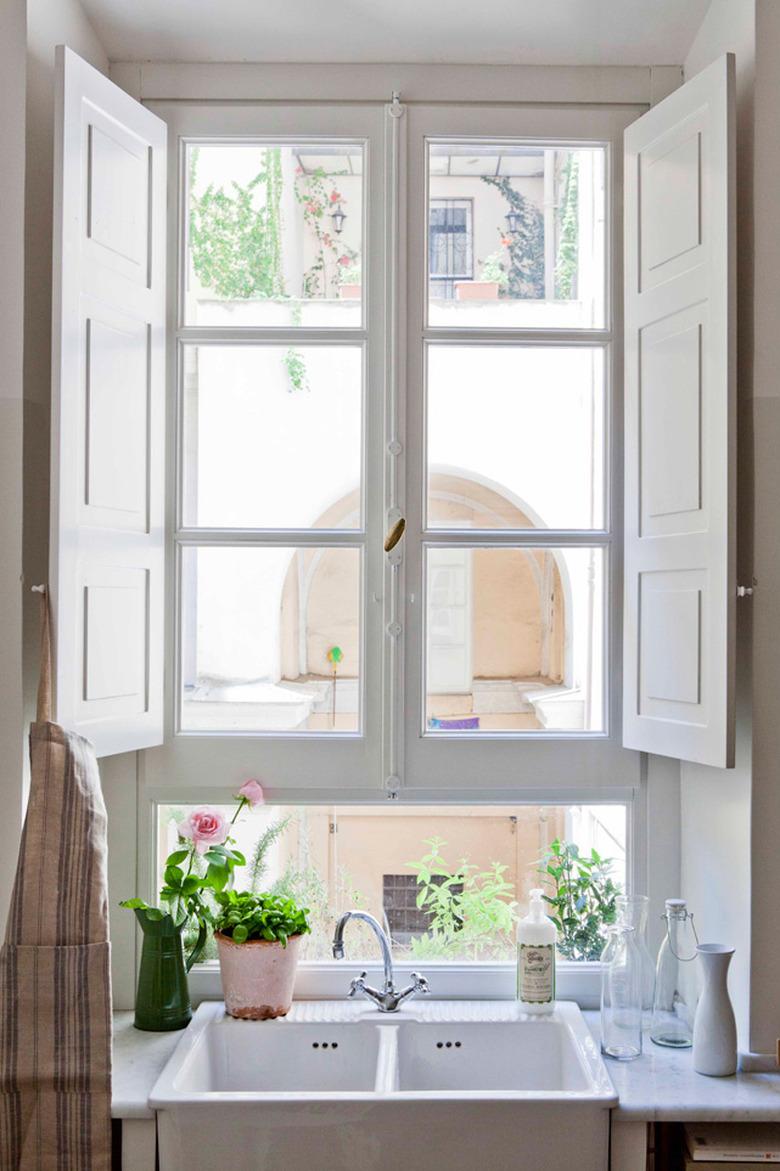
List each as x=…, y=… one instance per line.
x=108, y=411
x=680, y=418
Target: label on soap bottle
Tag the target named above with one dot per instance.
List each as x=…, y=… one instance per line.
x=536, y=973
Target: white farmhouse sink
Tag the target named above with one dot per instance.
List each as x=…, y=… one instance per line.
x=455, y=1084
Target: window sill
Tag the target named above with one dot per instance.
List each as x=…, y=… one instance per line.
x=580, y=982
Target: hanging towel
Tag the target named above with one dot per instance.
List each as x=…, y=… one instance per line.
x=55, y=976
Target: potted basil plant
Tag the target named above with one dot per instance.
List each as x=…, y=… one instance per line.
x=258, y=939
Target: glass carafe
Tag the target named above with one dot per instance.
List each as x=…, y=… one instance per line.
x=621, y=995
x=632, y=910
x=674, y=1003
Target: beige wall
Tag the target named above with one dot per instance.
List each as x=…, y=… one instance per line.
x=765, y=822
x=715, y=803
x=12, y=145
x=361, y=851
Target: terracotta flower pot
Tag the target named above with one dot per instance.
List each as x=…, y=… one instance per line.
x=476, y=290
x=257, y=976
x=350, y=292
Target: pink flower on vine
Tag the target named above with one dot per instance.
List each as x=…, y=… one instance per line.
x=326, y=239
x=344, y=261
x=335, y=197
x=311, y=207
x=505, y=241
x=299, y=170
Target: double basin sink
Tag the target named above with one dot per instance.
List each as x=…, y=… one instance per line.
x=455, y=1084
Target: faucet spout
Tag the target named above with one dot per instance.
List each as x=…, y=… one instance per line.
x=376, y=927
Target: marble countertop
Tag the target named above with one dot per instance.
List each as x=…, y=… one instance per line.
x=138, y=1061
x=660, y=1086
x=663, y=1086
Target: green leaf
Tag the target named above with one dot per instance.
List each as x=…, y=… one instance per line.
x=177, y=857
x=173, y=876
x=240, y=933
x=133, y=904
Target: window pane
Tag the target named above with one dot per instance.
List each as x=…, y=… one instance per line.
x=515, y=640
x=271, y=639
x=515, y=235
x=515, y=437
x=272, y=436
x=372, y=862
x=275, y=234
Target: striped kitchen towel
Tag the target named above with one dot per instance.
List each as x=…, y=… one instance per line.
x=55, y=982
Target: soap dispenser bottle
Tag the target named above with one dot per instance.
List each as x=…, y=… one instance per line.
x=536, y=936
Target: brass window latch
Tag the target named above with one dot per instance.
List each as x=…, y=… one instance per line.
x=394, y=534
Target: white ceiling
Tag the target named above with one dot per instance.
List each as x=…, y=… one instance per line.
x=538, y=32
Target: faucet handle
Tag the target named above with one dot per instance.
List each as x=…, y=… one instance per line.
x=358, y=985
x=419, y=983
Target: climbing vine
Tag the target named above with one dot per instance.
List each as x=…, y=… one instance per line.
x=568, y=239
x=318, y=195
x=525, y=247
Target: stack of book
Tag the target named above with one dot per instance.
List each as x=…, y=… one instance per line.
x=730, y=1146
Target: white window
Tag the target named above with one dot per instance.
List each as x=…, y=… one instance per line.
x=447, y=882
x=328, y=384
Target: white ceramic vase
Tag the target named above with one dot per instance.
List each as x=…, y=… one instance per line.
x=714, y=1027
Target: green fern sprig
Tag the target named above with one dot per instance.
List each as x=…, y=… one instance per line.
x=258, y=864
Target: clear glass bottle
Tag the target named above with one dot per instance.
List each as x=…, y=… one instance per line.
x=674, y=1003
x=633, y=911
x=621, y=995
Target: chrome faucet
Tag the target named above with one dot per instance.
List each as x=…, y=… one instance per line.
x=388, y=1000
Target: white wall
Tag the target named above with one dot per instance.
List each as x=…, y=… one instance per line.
x=715, y=803
x=49, y=23
x=12, y=101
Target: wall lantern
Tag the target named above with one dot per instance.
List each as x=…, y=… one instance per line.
x=514, y=222
x=338, y=215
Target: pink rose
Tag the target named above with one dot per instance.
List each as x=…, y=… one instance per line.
x=205, y=827
x=253, y=792
x=344, y=261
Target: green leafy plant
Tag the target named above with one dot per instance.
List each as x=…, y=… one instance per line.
x=295, y=365
x=351, y=274
x=235, y=234
x=246, y=915
x=492, y=269
x=472, y=911
x=568, y=239
x=581, y=899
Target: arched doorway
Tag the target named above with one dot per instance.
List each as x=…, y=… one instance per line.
x=496, y=617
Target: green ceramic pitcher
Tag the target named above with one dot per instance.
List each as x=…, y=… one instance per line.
x=162, y=1001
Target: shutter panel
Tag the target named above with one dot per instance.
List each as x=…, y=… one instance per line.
x=680, y=347
x=108, y=411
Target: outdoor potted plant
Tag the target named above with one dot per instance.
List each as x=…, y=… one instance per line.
x=258, y=939
x=351, y=281
x=492, y=278
x=196, y=871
